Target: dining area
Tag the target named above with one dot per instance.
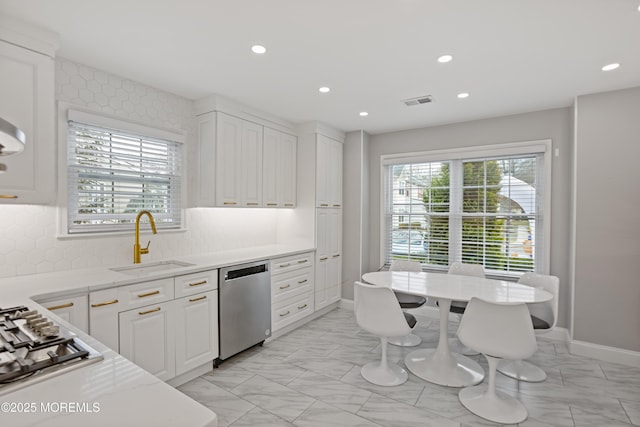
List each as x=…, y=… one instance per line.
x=495, y=320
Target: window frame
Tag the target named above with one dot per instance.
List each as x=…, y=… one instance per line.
x=543, y=147
x=67, y=113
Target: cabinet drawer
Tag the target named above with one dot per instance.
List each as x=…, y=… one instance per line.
x=291, y=310
x=293, y=283
x=74, y=310
x=145, y=293
x=290, y=263
x=191, y=284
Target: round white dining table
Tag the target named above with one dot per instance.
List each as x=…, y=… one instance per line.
x=440, y=365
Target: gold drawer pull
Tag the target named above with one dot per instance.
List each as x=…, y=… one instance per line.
x=8, y=196
x=285, y=314
x=272, y=204
x=229, y=203
x=102, y=304
x=153, y=310
x=148, y=294
x=302, y=261
x=289, y=205
x=302, y=281
x=324, y=204
x=252, y=204
x=198, y=283
x=58, y=307
x=303, y=306
x=285, y=265
x=335, y=256
x=284, y=287
x=336, y=206
x=323, y=258
x=198, y=299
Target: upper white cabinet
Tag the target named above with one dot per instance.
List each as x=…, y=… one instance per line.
x=328, y=172
x=27, y=101
x=244, y=164
x=279, y=169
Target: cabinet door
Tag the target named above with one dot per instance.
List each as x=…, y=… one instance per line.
x=287, y=171
x=74, y=310
x=228, y=160
x=335, y=174
x=251, y=165
x=103, y=317
x=270, y=155
x=147, y=338
x=322, y=171
x=27, y=101
x=205, y=179
x=196, y=330
x=329, y=257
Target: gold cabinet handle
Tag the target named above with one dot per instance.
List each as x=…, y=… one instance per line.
x=302, y=261
x=302, y=281
x=229, y=203
x=285, y=314
x=148, y=294
x=252, y=204
x=153, y=310
x=203, y=282
x=285, y=286
x=336, y=206
x=324, y=204
x=323, y=258
x=285, y=265
x=272, y=204
x=58, y=307
x=102, y=304
x=198, y=299
x=302, y=306
x=289, y=205
x=8, y=196
x=335, y=256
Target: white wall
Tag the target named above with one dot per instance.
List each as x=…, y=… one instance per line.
x=553, y=124
x=28, y=242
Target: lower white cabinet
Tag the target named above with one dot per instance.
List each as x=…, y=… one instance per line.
x=196, y=330
x=328, y=284
x=147, y=338
x=166, y=326
x=73, y=309
x=292, y=285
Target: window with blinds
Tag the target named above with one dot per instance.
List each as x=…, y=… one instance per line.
x=486, y=210
x=114, y=174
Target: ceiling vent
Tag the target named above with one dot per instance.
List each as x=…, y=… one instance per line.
x=417, y=101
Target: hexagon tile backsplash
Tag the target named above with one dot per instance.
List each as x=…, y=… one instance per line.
x=29, y=242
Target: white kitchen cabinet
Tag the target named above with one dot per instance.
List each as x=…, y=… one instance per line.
x=74, y=310
x=103, y=317
x=328, y=283
x=292, y=289
x=147, y=338
x=238, y=162
x=279, y=169
x=196, y=330
x=328, y=172
x=27, y=101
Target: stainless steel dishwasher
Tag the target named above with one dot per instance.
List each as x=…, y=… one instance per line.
x=244, y=307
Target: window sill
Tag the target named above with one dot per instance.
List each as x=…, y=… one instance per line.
x=79, y=236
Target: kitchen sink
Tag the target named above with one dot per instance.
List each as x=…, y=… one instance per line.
x=154, y=267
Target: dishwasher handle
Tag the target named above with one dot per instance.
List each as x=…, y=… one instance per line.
x=241, y=271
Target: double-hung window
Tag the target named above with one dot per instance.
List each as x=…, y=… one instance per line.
x=117, y=169
x=482, y=205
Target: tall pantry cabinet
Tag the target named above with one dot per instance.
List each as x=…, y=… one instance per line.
x=323, y=146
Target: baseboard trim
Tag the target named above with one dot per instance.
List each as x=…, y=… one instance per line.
x=605, y=353
x=347, y=304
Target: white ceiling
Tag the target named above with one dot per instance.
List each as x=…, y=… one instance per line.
x=512, y=56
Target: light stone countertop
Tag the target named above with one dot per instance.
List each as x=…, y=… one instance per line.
x=114, y=391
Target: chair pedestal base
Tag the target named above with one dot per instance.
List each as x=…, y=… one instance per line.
x=497, y=407
x=410, y=340
x=522, y=370
x=382, y=374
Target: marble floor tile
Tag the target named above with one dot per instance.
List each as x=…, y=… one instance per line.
x=273, y=397
x=311, y=377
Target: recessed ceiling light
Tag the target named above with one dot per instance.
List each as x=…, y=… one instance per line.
x=259, y=49
x=463, y=95
x=445, y=58
x=610, y=67
x=363, y=114
x=324, y=89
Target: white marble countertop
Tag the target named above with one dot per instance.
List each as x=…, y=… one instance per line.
x=114, y=391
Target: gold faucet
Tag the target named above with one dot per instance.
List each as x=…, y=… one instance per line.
x=137, y=250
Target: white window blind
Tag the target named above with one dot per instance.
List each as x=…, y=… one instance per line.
x=485, y=211
x=114, y=174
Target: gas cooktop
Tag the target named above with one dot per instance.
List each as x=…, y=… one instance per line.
x=33, y=348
